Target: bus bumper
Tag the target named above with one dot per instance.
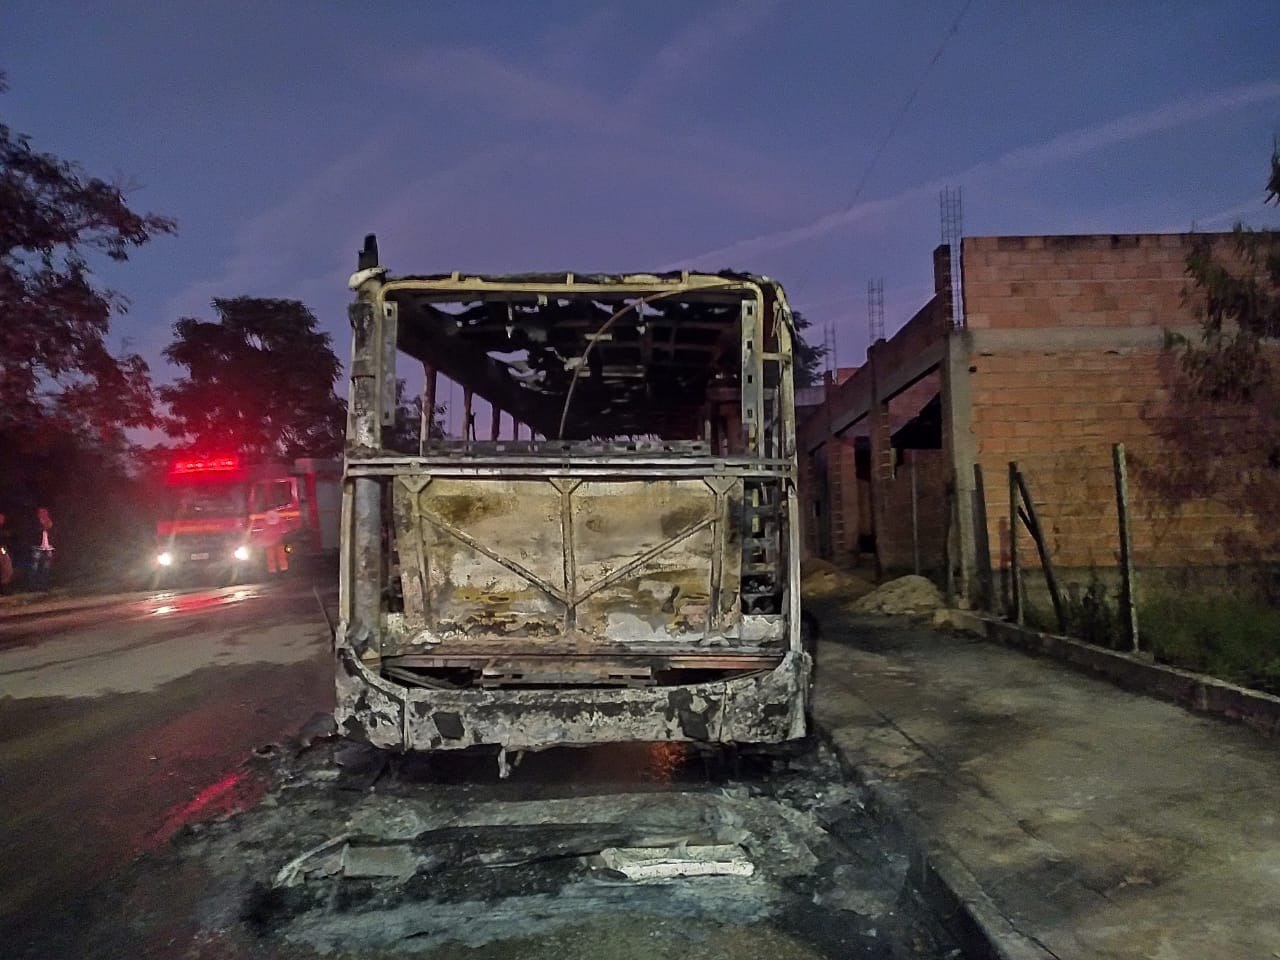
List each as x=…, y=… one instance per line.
x=766, y=707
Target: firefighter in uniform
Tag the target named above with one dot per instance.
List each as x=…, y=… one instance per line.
x=277, y=553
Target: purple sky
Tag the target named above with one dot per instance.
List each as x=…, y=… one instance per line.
x=623, y=136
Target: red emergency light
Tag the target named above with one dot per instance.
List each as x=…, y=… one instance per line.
x=203, y=466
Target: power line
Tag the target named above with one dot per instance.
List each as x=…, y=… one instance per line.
x=905, y=108
x=906, y=105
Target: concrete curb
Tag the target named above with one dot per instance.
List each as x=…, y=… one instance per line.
x=945, y=883
x=1194, y=691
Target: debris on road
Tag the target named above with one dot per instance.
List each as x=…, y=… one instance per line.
x=447, y=856
x=906, y=596
x=821, y=579
x=309, y=862
x=396, y=861
x=665, y=863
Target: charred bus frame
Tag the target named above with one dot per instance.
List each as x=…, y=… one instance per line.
x=628, y=572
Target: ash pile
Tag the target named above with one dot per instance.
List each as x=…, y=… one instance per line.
x=353, y=852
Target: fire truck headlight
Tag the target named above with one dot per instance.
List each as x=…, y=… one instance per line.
x=165, y=559
x=241, y=553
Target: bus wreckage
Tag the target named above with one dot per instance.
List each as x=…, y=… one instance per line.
x=621, y=563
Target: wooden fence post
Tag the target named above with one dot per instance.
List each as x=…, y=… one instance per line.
x=1128, y=608
x=981, y=542
x=1032, y=521
x=1015, y=574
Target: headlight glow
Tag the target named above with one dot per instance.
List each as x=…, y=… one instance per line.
x=241, y=553
x=165, y=559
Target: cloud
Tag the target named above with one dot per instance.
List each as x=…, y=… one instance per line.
x=631, y=132
x=279, y=242
x=1068, y=146
x=476, y=75
x=287, y=250
x=1136, y=126
x=1255, y=208
x=688, y=54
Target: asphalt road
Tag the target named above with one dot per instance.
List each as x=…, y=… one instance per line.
x=121, y=720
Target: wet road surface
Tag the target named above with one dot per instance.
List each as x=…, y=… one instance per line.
x=152, y=726
x=118, y=721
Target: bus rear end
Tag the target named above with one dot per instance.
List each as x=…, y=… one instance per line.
x=618, y=560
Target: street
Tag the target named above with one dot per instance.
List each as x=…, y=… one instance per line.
x=118, y=719
x=135, y=728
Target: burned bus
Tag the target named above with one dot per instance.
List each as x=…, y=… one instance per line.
x=618, y=561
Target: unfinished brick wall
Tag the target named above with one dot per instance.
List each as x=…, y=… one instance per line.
x=834, y=506
x=1067, y=357
x=896, y=544
x=894, y=536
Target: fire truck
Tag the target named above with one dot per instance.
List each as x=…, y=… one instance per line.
x=230, y=519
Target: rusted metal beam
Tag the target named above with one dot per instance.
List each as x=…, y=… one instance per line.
x=364, y=434
x=485, y=376
x=429, y=387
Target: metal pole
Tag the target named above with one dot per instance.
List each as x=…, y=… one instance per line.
x=982, y=545
x=428, y=406
x=364, y=436
x=915, y=520
x=1128, y=608
x=1015, y=574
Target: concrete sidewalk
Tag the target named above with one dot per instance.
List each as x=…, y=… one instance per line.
x=1070, y=818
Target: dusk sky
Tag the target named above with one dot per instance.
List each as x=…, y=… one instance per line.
x=496, y=137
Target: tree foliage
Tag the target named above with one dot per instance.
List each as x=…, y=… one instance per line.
x=404, y=436
x=1237, y=290
x=1221, y=427
x=808, y=358
x=57, y=374
x=259, y=379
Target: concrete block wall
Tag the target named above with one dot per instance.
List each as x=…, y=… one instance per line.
x=1066, y=347
x=845, y=490
x=895, y=543
x=894, y=538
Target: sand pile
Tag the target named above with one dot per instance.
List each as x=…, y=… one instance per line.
x=906, y=595
x=819, y=579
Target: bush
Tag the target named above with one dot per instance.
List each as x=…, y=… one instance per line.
x=1091, y=616
x=1225, y=636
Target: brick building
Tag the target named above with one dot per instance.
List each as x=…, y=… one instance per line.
x=1064, y=351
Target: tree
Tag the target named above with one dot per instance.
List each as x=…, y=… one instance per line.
x=1238, y=293
x=1221, y=426
x=260, y=379
x=405, y=434
x=57, y=375
x=808, y=358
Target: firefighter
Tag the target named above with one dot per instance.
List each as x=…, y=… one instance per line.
x=277, y=557
x=276, y=551
x=42, y=553
x=6, y=557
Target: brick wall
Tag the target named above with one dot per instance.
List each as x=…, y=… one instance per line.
x=894, y=538
x=894, y=532
x=1038, y=282
x=1067, y=357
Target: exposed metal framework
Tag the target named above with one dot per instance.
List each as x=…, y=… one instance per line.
x=648, y=545
x=952, y=231
x=875, y=310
